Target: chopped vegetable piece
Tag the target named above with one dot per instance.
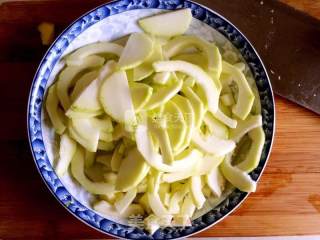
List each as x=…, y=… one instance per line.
x=156, y=205
x=196, y=192
x=201, y=77
x=78, y=57
x=155, y=160
x=66, y=152
x=88, y=100
x=163, y=94
x=132, y=171
x=237, y=177
x=114, y=86
x=122, y=204
x=168, y=24
x=138, y=48
x=245, y=95
x=253, y=156
x=197, y=105
x=89, y=158
x=82, y=83
x=215, y=181
x=116, y=158
x=145, y=69
x=158, y=129
x=216, y=127
x=67, y=78
x=231, y=123
x=188, y=114
x=176, y=125
x=245, y=126
x=52, y=107
x=141, y=94
x=213, y=144
x=77, y=170
x=161, y=78
x=88, y=135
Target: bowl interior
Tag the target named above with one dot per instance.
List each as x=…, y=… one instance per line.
x=99, y=26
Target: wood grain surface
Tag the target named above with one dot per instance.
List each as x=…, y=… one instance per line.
x=287, y=201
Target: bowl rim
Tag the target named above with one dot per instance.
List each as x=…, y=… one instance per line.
x=36, y=79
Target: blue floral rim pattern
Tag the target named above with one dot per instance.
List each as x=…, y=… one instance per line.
x=38, y=90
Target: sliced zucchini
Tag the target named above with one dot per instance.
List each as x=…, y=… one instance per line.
x=77, y=170
x=245, y=126
x=252, y=158
x=122, y=204
x=141, y=94
x=201, y=77
x=237, y=177
x=67, y=78
x=245, y=96
x=132, y=171
x=78, y=57
x=52, y=106
x=138, y=48
x=163, y=94
x=213, y=144
x=66, y=152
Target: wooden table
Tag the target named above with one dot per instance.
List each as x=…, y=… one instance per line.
x=287, y=201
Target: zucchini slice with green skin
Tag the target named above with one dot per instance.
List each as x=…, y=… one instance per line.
x=176, y=125
x=163, y=94
x=88, y=100
x=201, y=77
x=114, y=86
x=176, y=198
x=252, y=158
x=77, y=58
x=67, y=150
x=77, y=170
x=145, y=69
x=52, y=106
x=216, y=127
x=141, y=94
x=237, y=177
x=188, y=207
x=158, y=130
x=195, y=58
x=154, y=159
x=122, y=204
x=89, y=135
x=203, y=166
x=132, y=171
x=188, y=114
x=178, y=44
x=196, y=191
x=245, y=126
x=167, y=24
x=197, y=105
x=89, y=158
x=245, y=99
x=213, y=144
x=138, y=48
x=227, y=99
x=222, y=117
x=82, y=83
x=215, y=181
x=67, y=78
x=156, y=205
x=161, y=78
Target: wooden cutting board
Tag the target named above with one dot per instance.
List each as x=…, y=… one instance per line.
x=287, y=201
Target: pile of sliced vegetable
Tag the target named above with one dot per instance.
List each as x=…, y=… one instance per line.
x=156, y=123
